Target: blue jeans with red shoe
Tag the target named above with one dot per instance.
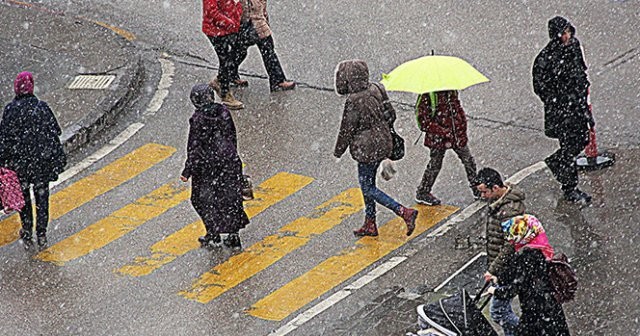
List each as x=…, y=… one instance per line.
x=367, y=178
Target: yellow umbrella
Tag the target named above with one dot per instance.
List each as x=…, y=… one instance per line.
x=432, y=74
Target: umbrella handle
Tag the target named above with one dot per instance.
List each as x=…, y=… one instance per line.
x=418, y=139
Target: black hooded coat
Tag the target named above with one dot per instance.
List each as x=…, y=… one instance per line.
x=560, y=80
x=214, y=165
x=541, y=313
x=29, y=140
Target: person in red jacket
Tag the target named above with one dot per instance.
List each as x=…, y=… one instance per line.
x=221, y=23
x=441, y=117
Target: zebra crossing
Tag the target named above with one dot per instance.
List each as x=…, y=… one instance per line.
x=238, y=268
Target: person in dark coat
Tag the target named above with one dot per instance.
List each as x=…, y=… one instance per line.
x=365, y=131
x=215, y=168
x=30, y=146
x=541, y=313
x=560, y=80
x=441, y=117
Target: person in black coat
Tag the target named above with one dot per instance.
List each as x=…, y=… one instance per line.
x=541, y=313
x=560, y=80
x=215, y=168
x=30, y=146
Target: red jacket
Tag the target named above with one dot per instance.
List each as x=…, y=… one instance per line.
x=447, y=126
x=221, y=17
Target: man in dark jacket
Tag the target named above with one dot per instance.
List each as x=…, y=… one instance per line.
x=560, y=80
x=507, y=201
x=30, y=146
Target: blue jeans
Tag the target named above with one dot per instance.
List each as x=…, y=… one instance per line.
x=371, y=193
x=502, y=313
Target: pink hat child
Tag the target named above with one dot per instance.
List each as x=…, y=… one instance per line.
x=23, y=83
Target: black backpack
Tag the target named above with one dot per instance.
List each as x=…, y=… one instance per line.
x=562, y=276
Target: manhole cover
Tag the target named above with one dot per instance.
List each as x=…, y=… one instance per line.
x=92, y=82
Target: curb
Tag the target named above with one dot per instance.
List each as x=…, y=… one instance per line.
x=105, y=113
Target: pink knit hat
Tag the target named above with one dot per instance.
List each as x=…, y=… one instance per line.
x=23, y=83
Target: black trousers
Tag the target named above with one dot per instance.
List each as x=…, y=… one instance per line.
x=269, y=59
x=562, y=163
x=41, y=195
x=231, y=52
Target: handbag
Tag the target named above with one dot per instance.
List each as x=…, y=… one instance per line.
x=10, y=191
x=247, y=188
x=397, y=150
x=248, y=34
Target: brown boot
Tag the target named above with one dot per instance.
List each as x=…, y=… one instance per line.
x=215, y=85
x=231, y=102
x=409, y=215
x=368, y=229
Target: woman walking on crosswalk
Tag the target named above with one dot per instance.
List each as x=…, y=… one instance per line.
x=365, y=130
x=30, y=146
x=215, y=168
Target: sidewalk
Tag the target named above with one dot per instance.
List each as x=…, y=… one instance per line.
x=56, y=48
x=600, y=239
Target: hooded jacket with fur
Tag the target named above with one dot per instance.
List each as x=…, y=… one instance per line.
x=364, y=128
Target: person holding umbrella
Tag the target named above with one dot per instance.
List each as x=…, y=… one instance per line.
x=438, y=112
x=441, y=117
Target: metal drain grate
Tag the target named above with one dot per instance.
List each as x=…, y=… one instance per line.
x=92, y=82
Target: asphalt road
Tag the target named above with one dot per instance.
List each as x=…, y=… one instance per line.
x=294, y=133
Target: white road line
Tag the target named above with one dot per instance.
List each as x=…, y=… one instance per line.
x=307, y=315
x=99, y=154
x=338, y=296
x=166, y=79
x=521, y=175
x=459, y=271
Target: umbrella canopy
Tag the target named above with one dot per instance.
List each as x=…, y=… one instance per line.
x=431, y=74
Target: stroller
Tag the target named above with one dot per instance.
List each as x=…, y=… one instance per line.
x=456, y=315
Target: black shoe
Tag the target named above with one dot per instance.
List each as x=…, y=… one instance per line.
x=577, y=196
x=233, y=241
x=42, y=241
x=26, y=239
x=427, y=199
x=210, y=240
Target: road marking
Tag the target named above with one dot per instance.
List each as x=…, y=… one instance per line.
x=337, y=269
x=268, y=193
x=116, y=225
x=338, y=296
x=166, y=80
x=127, y=35
x=86, y=189
x=272, y=248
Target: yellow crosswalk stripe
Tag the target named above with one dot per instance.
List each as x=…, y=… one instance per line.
x=272, y=248
x=337, y=269
x=116, y=225
x=268, y=193
x=96, y=184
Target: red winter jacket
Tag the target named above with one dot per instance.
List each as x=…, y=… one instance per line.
x=447, y=127
x=221, y=17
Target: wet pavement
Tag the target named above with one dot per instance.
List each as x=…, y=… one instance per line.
x=78, y=47
x=86, y=297
x=600, y=240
